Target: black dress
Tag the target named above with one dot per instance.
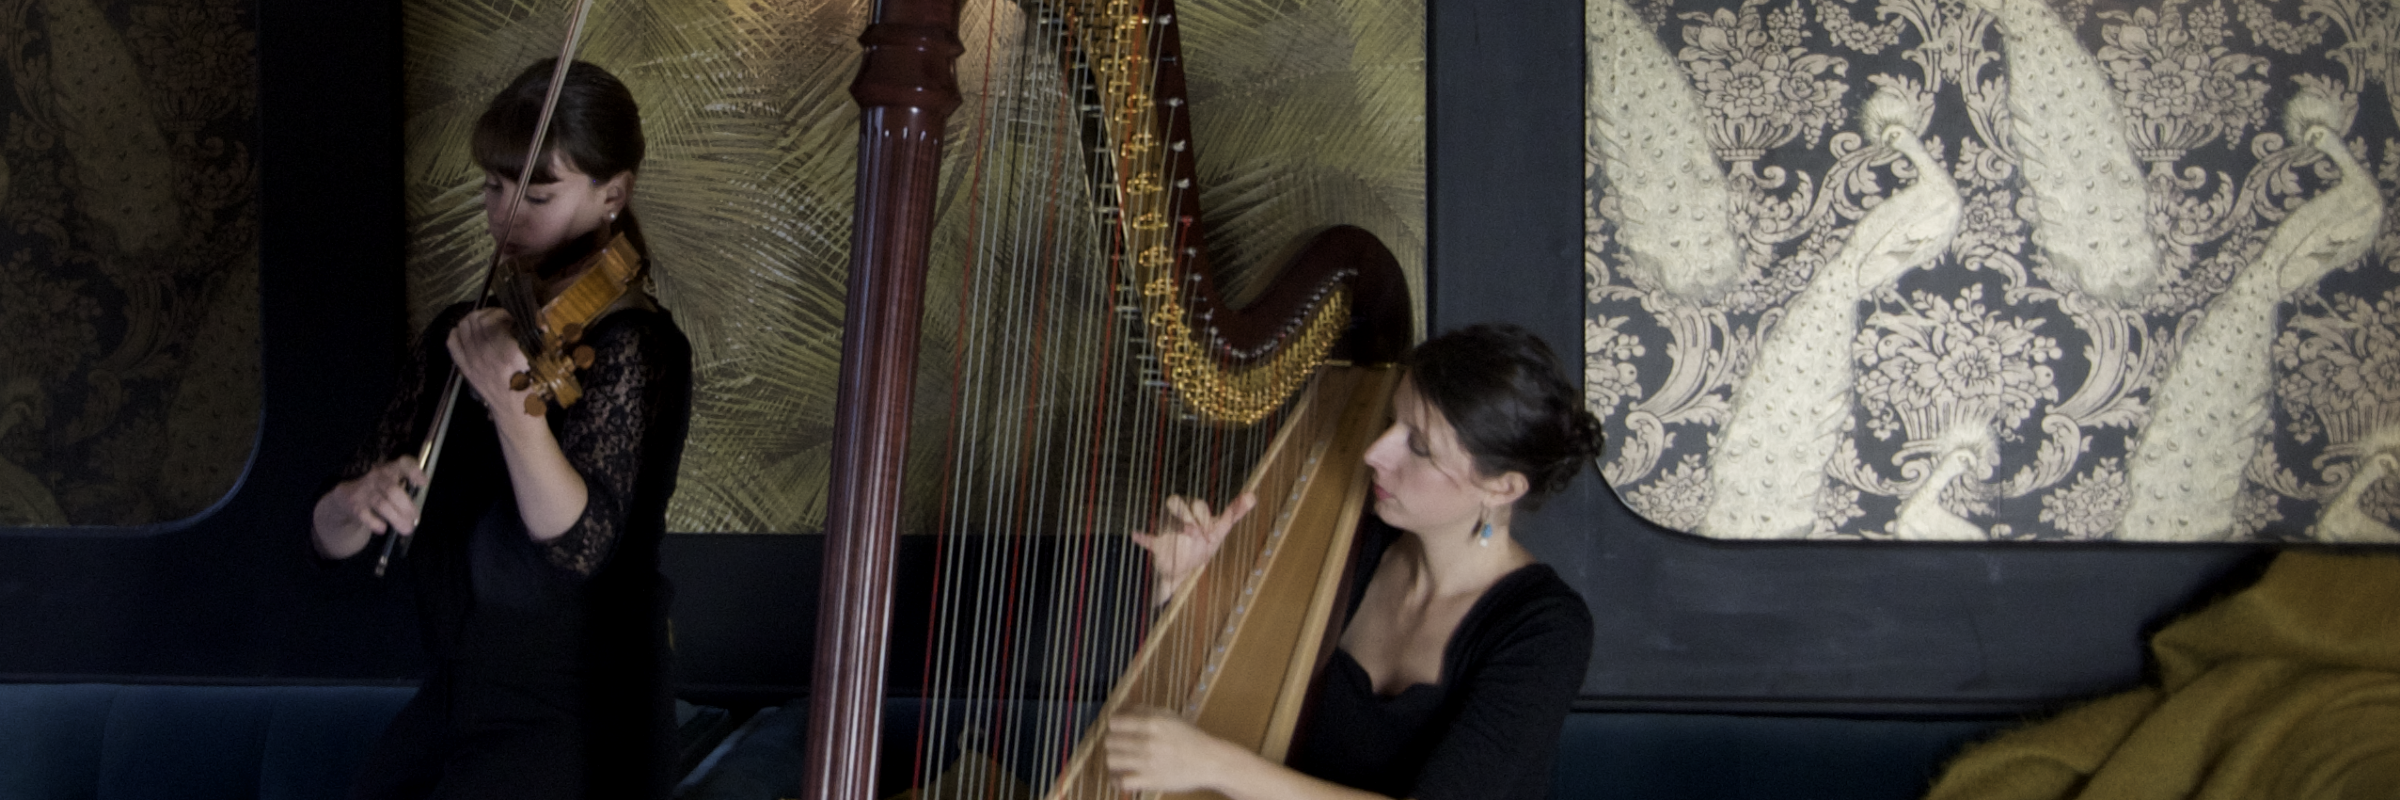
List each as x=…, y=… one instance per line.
x=551, y=662
x=1489, y=729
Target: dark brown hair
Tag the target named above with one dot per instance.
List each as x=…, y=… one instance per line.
x=597, y=127
x=1499, y=387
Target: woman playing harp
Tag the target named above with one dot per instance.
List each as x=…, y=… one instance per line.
x=1097, y=369
x=1461, y=653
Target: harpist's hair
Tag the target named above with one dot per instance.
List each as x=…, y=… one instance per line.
x=1500, y=389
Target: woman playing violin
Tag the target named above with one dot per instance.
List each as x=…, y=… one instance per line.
x=535, y=554
x=1461, y=653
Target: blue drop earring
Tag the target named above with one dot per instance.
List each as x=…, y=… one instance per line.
x=1483, y=531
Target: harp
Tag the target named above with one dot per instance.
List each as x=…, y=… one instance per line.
x=1265, y=602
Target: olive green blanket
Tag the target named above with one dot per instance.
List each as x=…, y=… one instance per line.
x=2287, y=689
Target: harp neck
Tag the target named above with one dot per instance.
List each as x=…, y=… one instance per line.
x=1233, y=364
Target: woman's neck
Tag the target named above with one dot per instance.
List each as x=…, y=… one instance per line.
x=1453, y=565
x=557, y=269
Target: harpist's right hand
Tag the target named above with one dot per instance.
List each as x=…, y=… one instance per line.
x=357, y=509
x=1188, y=537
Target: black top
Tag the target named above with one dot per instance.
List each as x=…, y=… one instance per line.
x=1489, y=729
x=581, y=617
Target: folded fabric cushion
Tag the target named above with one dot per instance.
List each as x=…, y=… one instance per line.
x=2290, y=688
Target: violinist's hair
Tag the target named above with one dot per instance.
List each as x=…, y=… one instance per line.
x=1499, y=387
x=597, y=127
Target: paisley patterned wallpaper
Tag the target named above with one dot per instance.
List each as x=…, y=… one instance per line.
x=129, y=383
x=1997, y=269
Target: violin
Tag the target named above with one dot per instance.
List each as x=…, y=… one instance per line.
x=553, y=341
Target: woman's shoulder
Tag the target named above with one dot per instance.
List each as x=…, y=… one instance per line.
x=1537, y=590
x=647, y=329
x=1532, y=604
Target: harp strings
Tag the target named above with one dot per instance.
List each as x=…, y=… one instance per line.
x=1066, y=434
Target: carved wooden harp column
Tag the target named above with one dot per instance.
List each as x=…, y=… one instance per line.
x=906, y=90
x=1342, y=297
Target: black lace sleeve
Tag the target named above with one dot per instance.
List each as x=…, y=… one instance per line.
x=639, y=376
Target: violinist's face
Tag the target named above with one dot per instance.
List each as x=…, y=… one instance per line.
x=553, y=213
x=1425, y=481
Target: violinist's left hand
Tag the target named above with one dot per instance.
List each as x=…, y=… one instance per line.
x=550, y=493
x=488, y=356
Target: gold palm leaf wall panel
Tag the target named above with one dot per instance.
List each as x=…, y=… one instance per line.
x=1305, y=115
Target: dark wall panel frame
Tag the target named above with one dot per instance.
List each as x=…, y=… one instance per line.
x=230, y=594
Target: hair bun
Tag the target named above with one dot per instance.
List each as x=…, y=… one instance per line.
x=1500, y=388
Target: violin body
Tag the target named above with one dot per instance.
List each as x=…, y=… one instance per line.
x=554, y=343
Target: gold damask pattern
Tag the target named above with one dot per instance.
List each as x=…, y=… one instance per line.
x=129, y=373
x=1997, y=269
x=747, y=193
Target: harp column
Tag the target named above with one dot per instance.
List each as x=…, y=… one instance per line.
x=906, y=89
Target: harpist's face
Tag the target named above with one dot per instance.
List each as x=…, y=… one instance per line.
x=554, y=212
x=1425, y=482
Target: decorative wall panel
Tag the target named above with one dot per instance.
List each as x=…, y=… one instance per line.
x=129, y=357
x=1997, y=270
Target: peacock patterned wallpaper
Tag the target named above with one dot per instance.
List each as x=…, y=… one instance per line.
x=129, y=381
x=1997, y=269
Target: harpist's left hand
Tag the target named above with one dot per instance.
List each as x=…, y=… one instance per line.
x=487, y=355
x=1151, y=749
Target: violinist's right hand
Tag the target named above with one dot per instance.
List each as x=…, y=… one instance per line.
x=357, y=509
x=1188, y=537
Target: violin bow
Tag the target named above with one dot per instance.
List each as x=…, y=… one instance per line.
x=429, y=454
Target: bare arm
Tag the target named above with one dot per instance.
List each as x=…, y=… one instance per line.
x=1153, y=750
x=356, y=510
x=550, y=493
x=374, y=496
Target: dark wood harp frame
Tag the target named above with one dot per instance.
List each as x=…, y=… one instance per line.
x=906, y=90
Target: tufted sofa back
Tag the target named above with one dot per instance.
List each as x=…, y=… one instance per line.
x=88, y=741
